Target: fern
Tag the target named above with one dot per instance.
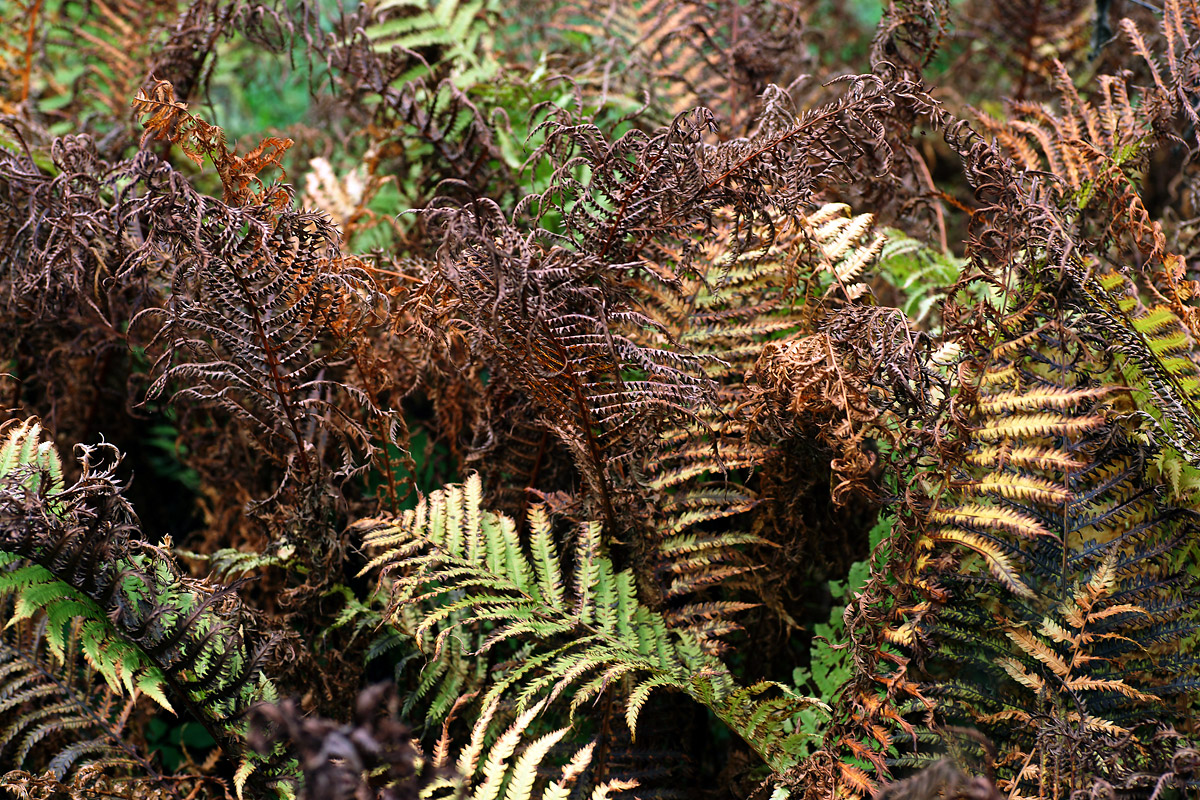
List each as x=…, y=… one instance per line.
x=465, y=567
x=260, y=297
x=1066, y=614
x=142, y=625
x=481, y=772
x=1150, y=348
x=456, y=30
x=38, y=592
x=50, y=695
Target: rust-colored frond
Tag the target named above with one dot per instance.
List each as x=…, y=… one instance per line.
x=167, y=118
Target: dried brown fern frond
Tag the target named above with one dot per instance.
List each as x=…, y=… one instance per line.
x=712, y=53
x=1099, y=148
x=653, y=196
x=90, y=783
x=253, y=324
x=568, y=347
x=840, y=381
x=910, y=32
x=425, y=125
x=168, y=118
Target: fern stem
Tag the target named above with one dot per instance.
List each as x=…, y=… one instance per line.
x=274, y=370
x=593, y=448
x=30, y=50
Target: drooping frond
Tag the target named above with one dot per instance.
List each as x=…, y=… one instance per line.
x=143, y=625
x=56, y=716
x=168, y=118
x=1151, y=347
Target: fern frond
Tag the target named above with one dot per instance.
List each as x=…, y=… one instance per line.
x=1051, y=604
x=847, y=246
x=464, y=567
x=57, y=718
x=262, y=305
x=142, y=625
x=456, y=30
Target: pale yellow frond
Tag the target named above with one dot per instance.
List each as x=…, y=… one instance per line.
x=838, y=236
x=1025, y=426
x=1025, y=457
x=1040, y=397
x=468, y=759
x=1020, y=675
x=602, y=791
x=827, y=213
x=985, y=517
x=525, y=772
x=495, y=769
x=578, y=763
x=1104, y=684
x=1105, y=578
x=1036, y=648
x=1020, y=487
x=851, y=266
x=1056, y=632
x=997, y=562
x=1003, y=376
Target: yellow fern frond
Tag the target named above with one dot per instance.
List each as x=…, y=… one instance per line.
x=997, y=562
x=1028, y=426
x=1026, y=457
x=985, y=517
x=1020, y=675
x=1019, y=487
x=1035, y=648
x=1106, y=684
x=1041, y=397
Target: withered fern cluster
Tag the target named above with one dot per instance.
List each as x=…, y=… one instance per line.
x=751, y=399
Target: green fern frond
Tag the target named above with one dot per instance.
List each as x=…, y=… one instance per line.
x=458, y=28
x=73, y=616
x=22, y=450
x=141, y=624
x=56, y=717
x=919, y=271
x=578, y=633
